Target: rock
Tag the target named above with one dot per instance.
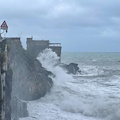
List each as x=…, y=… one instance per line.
x=30, y=79
x=72, y=68
x=25, y=79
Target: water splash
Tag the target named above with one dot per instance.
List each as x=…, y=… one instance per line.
x=88, y=97
x=50, y=61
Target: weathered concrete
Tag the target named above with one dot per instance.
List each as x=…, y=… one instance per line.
x=30, y=79
x=8, y=89
x=56, y=49
x=5, y=83
x=34, y=47
x=25, y=78
x=3, y=69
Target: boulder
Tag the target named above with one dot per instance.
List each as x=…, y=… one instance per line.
x=71, y=68
x=30, y=80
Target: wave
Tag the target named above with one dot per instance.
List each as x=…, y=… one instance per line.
x=75, y=99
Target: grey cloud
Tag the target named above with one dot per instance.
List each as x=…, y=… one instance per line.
x=64, y=13
x=76, y=20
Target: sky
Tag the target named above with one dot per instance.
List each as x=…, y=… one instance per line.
x=79, y=25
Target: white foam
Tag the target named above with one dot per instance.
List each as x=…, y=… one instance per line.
x=49, y=60
x=90, y=70
x=71, y=99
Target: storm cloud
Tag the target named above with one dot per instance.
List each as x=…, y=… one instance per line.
x=83, y=25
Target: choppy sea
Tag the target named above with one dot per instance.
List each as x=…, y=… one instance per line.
x=93, y=94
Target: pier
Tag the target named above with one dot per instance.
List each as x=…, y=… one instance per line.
x=34, y=47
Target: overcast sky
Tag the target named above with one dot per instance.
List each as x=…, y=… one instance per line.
x=80, y=25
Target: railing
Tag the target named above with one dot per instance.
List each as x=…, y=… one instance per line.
x=54, y=44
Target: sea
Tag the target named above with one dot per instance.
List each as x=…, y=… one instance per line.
x=92, y=94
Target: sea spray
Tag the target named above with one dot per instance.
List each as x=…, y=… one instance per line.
x=89, y=97
x=50, y=61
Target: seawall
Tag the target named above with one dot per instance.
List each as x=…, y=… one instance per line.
x=25, y=79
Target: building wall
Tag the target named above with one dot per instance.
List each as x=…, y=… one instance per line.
x=34, y=47
x=56, y=49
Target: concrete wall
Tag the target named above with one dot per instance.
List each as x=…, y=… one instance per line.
x=34, y=47
x=56, y=49
x=11, y=92
x=5, y=92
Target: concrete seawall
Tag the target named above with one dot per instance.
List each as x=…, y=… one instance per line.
x=34, y=47
x=5, y=83
x=22, y=77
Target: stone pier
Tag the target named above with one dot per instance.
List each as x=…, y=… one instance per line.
x=34, y=47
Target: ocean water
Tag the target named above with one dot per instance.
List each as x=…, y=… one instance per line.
x=93, y=94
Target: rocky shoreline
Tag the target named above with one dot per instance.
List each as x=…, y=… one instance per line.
x=26, y=79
